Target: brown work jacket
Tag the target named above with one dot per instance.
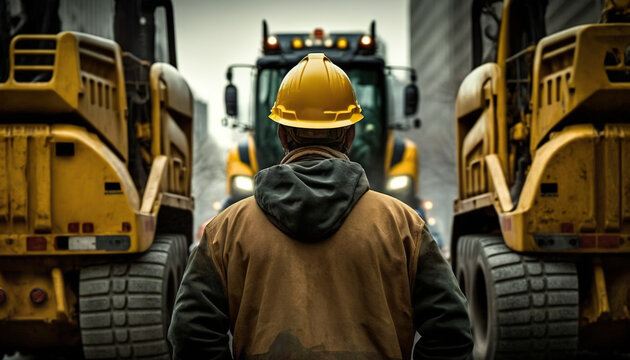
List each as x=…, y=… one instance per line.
x=354, y=295
x=350, y=293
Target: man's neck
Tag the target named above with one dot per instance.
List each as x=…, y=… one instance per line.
x=313, y=152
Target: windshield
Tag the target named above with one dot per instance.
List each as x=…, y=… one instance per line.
x=367, y=148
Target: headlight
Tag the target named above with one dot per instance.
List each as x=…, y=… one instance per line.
x=398, y=182
x=243, y=183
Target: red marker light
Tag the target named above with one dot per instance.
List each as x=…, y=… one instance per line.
x=318, y=33
x=566, y=228
x=88, y=227
x=73, y=227
x=608, y=241
x=38, y=296
x=36, y=243
x=588, y=241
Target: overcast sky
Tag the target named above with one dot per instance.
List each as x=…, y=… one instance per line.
x=214, y=34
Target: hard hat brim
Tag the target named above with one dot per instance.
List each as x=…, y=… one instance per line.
x=316, y=124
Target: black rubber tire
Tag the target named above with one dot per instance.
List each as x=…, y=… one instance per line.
x=125, y=307
x=521, y=307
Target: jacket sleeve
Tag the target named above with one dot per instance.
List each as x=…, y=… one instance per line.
x=439, y=308
x=200, y=321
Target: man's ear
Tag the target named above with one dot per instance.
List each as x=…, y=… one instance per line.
x=349, y=138
x=282, y=135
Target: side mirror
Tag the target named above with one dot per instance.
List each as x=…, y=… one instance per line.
x=231, y=100
x=412, y=99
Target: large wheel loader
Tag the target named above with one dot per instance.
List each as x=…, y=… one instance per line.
x=95, y=166
x=541, y=233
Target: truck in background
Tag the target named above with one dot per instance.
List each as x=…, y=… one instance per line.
x=390, y=162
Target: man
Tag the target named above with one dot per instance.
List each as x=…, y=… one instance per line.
x=315, y=265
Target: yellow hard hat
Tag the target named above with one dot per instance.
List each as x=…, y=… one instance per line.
x=316, y=94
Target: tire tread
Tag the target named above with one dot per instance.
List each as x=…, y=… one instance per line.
x=121, y=303
x=537, y=304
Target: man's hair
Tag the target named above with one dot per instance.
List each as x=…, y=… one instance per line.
x=333, y=138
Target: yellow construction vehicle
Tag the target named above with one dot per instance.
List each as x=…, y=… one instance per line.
x=95, y=165
x=390, y=162
x=541, y=232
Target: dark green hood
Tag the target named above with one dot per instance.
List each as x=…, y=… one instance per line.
x=309, y=198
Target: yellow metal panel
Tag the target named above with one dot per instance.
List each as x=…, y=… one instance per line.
x=18, y=306
x=170, y=91
x=470, y=96
x=503, y=51
x=12, y=245
x=580, y=163
x=600, y=290
x=474, y=137
x=54, y=96
x=157, y=97
x=178, y=96
x=19, y=276
x=87, y=79
x=176, y=201
x=102, y=84
x=60, y=294
x=156, y=184
x=99, y=150
x=476, y=128
x=570, y=74
x=146, y=226
x=41, y=150
x=4, y=176
x=611, y=195
x=568, y=161
x=618, y=288
x=473, y=203
x=79, y=186
x=473, y=149
x=76, y=193
x=503, y=46
x=179, y=155
x=609, y=291
x=171, y=124
x=498, y=180
x=17, y=171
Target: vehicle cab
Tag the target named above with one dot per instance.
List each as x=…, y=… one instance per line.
x=390, y=162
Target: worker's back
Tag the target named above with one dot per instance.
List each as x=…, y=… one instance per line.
x=348, y=293
x=315, y=265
